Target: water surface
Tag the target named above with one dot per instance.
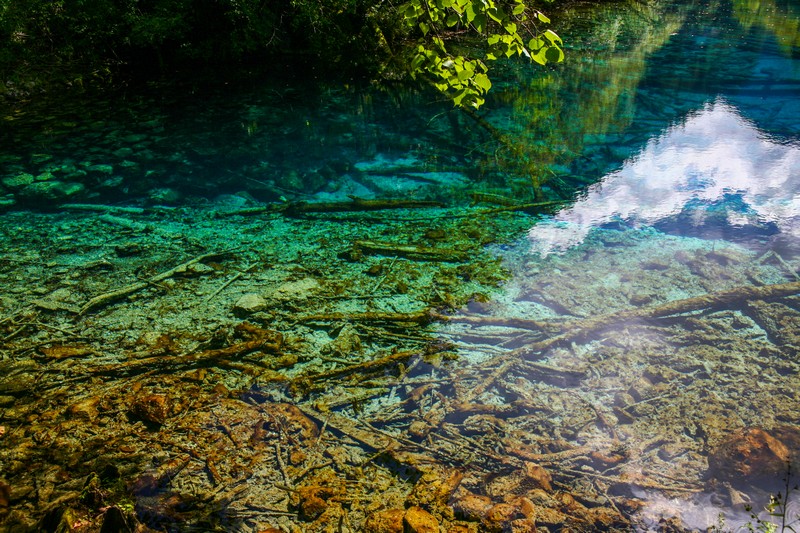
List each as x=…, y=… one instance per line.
x=595, y=282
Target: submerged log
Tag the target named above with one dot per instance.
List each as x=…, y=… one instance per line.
x=355, y=204
x=581, y=329
x=122, y=292
x=367, y=366
x=410, y=251
x=418, y=317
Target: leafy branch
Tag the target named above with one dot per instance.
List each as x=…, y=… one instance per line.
x=462, y=79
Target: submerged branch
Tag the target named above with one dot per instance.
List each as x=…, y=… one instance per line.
x=580, y=329
x=117, y=294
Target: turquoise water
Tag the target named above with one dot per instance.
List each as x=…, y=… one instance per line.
x=597, y=280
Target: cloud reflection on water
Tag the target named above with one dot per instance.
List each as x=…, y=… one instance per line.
x=714, y=156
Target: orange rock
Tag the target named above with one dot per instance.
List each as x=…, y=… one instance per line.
x=525, y=506
x=748, y=456
x=313, y=501
x=418, y=520
x=387, y=521
x=539, y=476
x=499, y=517
x=522, y=525
x=550, y=517
x=85, y=409
x=569, y=503
x=435, y=488
x=154, y=408
x=472, y=507
x=603, y=518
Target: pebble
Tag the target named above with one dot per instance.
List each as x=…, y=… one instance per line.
x=249, y=303
x=154, y=408
x=18, y=181
x=749, y=456
x=418, y=520
x=386, y=521
x=472, y=507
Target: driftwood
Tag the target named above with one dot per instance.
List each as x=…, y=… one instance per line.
x=230, y=280
x=117, y=294
x=102, y=208
x=510, y=322
x=580, y=329
x=261, y=340
x=355, y=204
x=410, y=251
x=126, y=223
x=342, y=424
x=367, y=366
x=418, y=317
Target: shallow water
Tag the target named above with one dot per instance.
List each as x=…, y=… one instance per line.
x=608, y=293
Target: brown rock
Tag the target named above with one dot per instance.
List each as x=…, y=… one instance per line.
x=748, y=456
x=540, y=477
x=549, y=517
x=472, y=507
x=603, y=518
x=569, y=503
x=518, y=482
x=525, y=506
x=154, y=408
x=85, y=409
x=522, y=525
x=435, y=487
x=288, y=419
x=387, y=521
x=499, y=517
x=418, y=520
x=313, y=501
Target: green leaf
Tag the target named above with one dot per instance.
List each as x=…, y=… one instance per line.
x=541, y=16
x=554, y=54
x=470, y=11
x=480, y=22
x=452, y=20
x=496, y=15
x=424, y=27
x=553, y=37
x=459, y=96
x=540, y=56
x=519, y=9
x=536, y=43
x=482, y=81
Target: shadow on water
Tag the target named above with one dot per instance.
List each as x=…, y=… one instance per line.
x=290, y=307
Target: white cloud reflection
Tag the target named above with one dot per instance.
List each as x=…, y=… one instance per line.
x=715, y=153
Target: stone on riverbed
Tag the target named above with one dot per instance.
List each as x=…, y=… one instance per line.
x=248, y=304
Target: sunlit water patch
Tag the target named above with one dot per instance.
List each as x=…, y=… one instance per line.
x=713, y=175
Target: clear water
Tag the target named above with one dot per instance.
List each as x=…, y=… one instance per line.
x=670, y=139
